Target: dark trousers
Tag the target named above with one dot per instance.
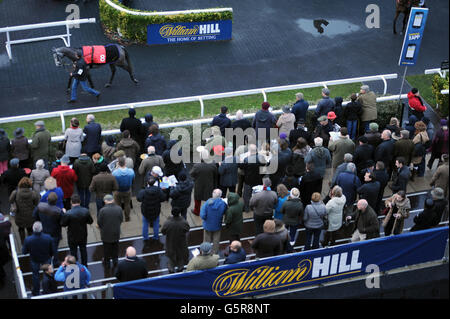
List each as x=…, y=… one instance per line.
x=240, y=185
x=74, y=251
x=224, y=189
x=259, y=223
x=111, y=251
x=329, y=238
x=22, y=233
x=314, y=236
x=99, y=202
x=85, y=197
x=67, y=204
x=36, y=280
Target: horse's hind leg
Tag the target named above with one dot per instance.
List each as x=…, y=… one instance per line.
x=128, y=67
x=113, y=72
x=397, y=13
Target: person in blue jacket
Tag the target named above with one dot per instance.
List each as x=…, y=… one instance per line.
x=236, y=254
x=212, y=214
x=73, y=274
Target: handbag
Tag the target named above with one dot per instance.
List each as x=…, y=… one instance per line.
x=324, y=218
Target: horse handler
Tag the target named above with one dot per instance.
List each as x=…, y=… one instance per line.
x=80, y=75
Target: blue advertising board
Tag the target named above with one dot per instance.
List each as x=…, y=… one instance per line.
x=294, y=270
x=413, y=36
x=167, y=33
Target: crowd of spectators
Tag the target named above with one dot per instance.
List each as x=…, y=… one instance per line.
x=47, y=192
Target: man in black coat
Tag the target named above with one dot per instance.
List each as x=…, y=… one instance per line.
x=221, y=120
x=132, y=267
x=252, y=176
x=133, y=125
x=175, y=229
x=363, y=154
x=300, y=107
x=300, y=131
x=92, y=140
x=310, y=183
x=369, y=190
x=181, y=194
x=13, y=175
x=402, y=178
x=76, y=221
x=264, y=120
x=267, y=244
x=381, y=176
x=385, y=151
x=242, y=123
x=151, y=198
x=109, y=220
x=80, y=75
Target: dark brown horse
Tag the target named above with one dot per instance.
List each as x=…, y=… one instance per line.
x=404, y=6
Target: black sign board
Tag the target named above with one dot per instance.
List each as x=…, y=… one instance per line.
x=444, y=65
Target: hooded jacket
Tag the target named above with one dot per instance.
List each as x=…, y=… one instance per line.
x=335, y=208
x=415, y=102
x=129, y=146
x=320, y=157
x=158, y=142
x=211, y=213
x=292, y=211
x=171, y=168
x=93, y=136
x=264, y=119
x=84, y=168
x=233, y=215
x=65, y=178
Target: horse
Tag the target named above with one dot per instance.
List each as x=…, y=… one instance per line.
x=113, y=55
x=404, y=6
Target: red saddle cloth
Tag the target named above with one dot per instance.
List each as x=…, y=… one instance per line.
x=94, y=54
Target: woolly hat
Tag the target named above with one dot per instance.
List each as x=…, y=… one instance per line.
x=265, y=105
x=205, y=248
x=373, y=127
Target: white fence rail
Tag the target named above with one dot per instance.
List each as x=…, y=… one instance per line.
x=442, y=73
x=65, y=37
x=161, y=13
x=17, y=272
x=200, y=99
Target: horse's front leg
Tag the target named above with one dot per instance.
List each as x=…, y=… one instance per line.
x=113, y=72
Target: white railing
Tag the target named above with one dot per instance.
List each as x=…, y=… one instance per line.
x=160, y=13
x=442, y=73
x=17, y=272
x=65, y=37
x=200, y=99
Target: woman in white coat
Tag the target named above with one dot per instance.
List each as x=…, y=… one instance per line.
x=335, y=208
x=74, y=137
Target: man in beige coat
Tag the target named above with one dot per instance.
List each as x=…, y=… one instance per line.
x=368, y=101
x=340, y=147
x=440, y=177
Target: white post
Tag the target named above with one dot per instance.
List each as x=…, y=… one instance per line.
x=63, y=124
x=264, y=95
x=8, y=45
x=202, y=106
x=385, y=85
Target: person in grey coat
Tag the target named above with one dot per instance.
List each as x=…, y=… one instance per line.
x=335, y=208
x=320, y=156
x=109, y=220
x=74, y=137
x=313, y=221
x=38, y=176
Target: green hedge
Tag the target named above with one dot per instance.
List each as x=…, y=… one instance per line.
x=134, y=27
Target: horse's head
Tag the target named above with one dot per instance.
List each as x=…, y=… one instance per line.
x=57, y=57
x=60, y=53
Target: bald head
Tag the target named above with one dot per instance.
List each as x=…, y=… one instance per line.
x=235, y=245
x=131, y=252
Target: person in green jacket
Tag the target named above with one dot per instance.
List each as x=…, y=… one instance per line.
x=40, y=143
x=233, y=216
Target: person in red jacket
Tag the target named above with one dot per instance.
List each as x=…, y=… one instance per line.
x=415, y=102
x=65, y=178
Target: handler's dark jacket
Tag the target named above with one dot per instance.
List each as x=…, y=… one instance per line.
x=81, y=70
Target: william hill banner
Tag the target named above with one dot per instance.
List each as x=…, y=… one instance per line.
x=189, y=32
x=294, y=270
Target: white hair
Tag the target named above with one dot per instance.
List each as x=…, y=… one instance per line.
x=217, y=193
x=151, y=150
x=239, y=115
x=90, y=117
x=318, y=141
x=40, y=164
x=299, y=96
x=37, y=227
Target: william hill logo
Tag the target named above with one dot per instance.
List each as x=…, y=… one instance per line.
x=239, y=282
x=170, y=30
